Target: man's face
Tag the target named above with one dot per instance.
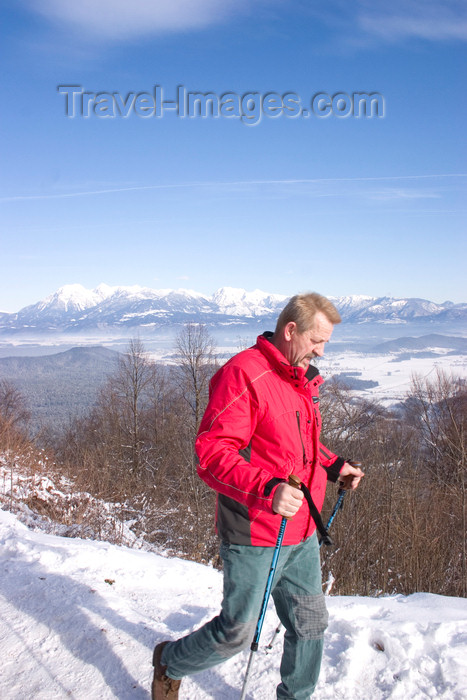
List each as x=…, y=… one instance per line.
x=300, y=348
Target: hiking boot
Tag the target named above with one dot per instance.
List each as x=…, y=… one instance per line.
x=163, y=687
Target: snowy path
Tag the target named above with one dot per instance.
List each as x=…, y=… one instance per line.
x=67, y=633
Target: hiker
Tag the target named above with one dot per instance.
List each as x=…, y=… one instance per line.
x=261, y=425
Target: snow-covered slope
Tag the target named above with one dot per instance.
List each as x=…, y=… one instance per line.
x=79, y=619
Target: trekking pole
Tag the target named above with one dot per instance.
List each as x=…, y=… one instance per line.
x=335, y=510
x=295, y=482
x=337, y=507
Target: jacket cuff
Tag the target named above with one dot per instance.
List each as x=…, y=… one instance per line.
x=271, y=484
x=334, y=470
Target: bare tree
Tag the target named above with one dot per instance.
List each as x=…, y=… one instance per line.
x=438, y=407
x=404, y=530
x=196, y=364
x=196, y=361
x=13, y=407
x=116, y=435
x=14, y=417
x=131, y=382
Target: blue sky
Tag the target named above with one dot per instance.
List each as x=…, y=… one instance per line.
x=341, y=205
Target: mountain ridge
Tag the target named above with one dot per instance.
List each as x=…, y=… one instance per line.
x=73, y=308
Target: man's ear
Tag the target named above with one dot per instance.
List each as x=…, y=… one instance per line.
x=289, y=330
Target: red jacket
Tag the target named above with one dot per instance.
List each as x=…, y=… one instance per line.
x=262, y=423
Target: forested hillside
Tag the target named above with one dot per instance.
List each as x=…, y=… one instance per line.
x=60, y=385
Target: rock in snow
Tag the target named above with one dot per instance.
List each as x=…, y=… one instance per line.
x=79, y=619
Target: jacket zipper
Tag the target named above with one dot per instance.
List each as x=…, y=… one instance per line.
x=301, y=438
x=304, y=463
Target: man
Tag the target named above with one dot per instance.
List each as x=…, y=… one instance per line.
x=261, y=425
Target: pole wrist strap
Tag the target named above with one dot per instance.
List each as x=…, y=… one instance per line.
x=324, y=537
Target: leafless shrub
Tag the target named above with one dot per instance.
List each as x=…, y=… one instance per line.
x=404, y=529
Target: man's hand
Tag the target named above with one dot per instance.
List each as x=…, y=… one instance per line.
x=349, y=477
x=287, y=500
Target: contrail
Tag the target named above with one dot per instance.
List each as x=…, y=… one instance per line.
x=193, y=185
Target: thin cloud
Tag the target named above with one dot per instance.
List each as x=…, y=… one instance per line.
x=235, y=184
x=121, y=19
x=364, y=23
x=391, y=193
x=435, y=20
x=118, y=20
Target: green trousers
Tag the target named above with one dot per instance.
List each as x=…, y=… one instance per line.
x=300, y=605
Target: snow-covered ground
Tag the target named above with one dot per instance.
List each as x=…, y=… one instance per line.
x=393, y=371
x=393, y=374
x=79, y=619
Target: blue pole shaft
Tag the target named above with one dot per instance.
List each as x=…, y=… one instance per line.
x=264, y=604
x=267, y=592
x=335, y=511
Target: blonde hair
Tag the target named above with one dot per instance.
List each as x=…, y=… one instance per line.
x=302, y=309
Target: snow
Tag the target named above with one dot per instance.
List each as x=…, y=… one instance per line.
x=392, y=373
x=76, y=297
x=75, y=310
x=79, y=619
x=238, y=302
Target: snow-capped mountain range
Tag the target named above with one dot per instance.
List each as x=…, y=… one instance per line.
x=75, y=309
